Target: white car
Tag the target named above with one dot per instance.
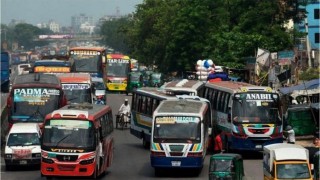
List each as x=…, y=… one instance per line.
x=23, y=145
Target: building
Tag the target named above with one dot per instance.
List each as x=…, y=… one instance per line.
x=309, y=47
x=77, y=21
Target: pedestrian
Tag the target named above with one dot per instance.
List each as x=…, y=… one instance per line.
x=218, y=147
x=290, y=135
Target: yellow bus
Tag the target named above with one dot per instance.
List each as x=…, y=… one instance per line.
x=117, y=68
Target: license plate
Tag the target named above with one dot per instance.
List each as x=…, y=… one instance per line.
x=116, y=87
x=259, y=146
x=23, y=162
x=176, y=163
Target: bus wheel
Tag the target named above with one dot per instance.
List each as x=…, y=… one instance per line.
x=157, y=172
x=145, y=143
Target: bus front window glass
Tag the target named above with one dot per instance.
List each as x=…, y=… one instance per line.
x=255, y=107
x=86, y=63
x=33, y=104
x=69, y=134
x=115, y=68
x=168, y=129
x=78, y=95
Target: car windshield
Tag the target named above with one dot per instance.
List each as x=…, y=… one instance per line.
x=168, y=129
x=255, y=107
x=66, y=133
x=33, y=104
x=221, y=165
x=85, y=63
x=293, y=171
x=23, y=139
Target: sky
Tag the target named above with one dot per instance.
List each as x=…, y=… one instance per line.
x=60, y=11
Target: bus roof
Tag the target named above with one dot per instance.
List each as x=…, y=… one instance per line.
x=28, y=80
x=74, y=110
x=153, y=92
x=74, y=77
x=183, y=85
x=95, y=48
x=181, y=106
x=233, y=87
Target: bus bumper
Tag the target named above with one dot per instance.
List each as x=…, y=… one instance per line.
x=252, y=144
x=67, y=169
x=175, y=162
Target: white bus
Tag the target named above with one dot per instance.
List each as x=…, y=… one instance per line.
x=145, y=100
x=249, y=116
x=180, y=134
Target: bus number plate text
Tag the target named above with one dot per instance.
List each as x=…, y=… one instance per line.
x=176, y=163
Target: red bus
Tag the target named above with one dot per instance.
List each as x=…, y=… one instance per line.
x=33, y=96
x=77, y=140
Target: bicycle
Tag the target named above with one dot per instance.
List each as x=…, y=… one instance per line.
x=120, y=121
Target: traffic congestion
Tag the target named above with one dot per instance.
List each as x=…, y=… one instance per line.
x=59, y=122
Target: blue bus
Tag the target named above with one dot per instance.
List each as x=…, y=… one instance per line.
x=5, y=72
x=180, y=134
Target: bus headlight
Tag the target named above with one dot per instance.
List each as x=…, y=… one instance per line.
x=87, y=161
x=37, y=155
x=8, y=156
x=47, y=160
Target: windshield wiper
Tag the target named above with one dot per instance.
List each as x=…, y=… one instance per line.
x=65, y=137
x=36, y=114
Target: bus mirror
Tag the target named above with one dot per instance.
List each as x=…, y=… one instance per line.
x=209, y=131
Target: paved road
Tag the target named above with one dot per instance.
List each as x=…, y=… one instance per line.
x=131, y=160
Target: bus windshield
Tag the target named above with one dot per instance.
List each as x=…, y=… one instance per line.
x=67, y=133
x=255, y=107
x=85, y=63
x=33, y=104
x=77, y=93
x=23, y=139
x=168, y=129
x=117, y=68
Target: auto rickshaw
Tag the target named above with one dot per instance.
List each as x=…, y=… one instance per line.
x=135, y=81
x=156, y=80
x=226, y=166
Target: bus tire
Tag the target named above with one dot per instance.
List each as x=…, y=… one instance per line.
x=145, y=143
x=157, y=172
x=9, y=167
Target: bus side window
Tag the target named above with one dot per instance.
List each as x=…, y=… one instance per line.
x=148, y=106
x=217, y=100
x=154, y=105
x=214, y=99
x=110, y=120
x=139, y=104
x=226, y=102
x=221, y=101
x=133, y=106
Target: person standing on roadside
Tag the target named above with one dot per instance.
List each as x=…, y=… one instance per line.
x=218, y=147
x=289, y=133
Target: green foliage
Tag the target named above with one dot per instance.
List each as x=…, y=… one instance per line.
x=309, y=74
x=23, y=34
x=174, y=34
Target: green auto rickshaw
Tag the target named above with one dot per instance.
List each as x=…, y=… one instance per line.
x=135, y=80
x=226, y=166
x=156, y=80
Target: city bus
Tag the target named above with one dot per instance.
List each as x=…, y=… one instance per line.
x=249, y=116
x=51, y=66
x=88, y=60
x=146, y=99
x=180, y=134
x=33, y=96
x=77, y=140
x=77, y=87
x=184, y=87
x=117, y=69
